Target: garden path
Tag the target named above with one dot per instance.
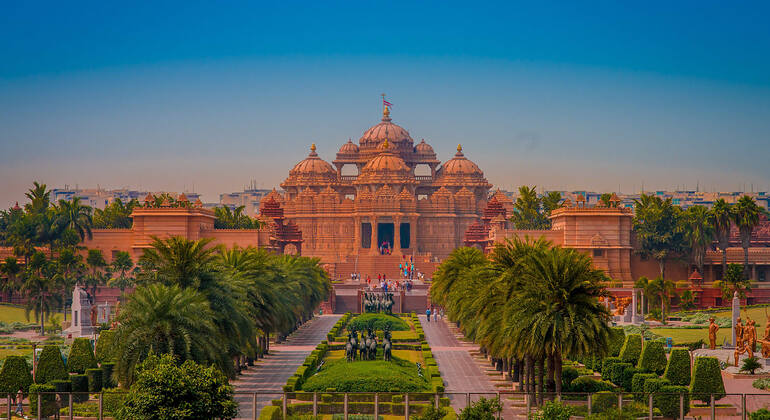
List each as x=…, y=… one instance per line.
x=272, y=372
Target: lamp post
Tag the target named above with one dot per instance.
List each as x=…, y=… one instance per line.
x=34, y=361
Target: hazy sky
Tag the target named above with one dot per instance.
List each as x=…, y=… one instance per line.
x=209, y=95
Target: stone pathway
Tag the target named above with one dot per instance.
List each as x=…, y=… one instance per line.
x=272, y=372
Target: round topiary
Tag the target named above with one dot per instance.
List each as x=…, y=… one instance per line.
x=632, y=349
x=79, y=388
x=104, y=348
x=81, y=356
x=653, y=358
x=707, y=380
x=607, y=367
x=590, y=384
x=15, y=375
x=50, y=366
x=47, y=394
x=94, y=379
x=667, y=400
x=678, y=368
x=568, y=374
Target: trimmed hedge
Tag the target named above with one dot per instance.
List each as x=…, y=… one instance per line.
x=50, y=366
x=590, y=384
x=104, y=351
x=653, y=358
x=373, y=321
x=678, y=370
x=79, y=388
x=607, y=367
x=94, y=379
x=616, y=340
x=707, y=380
x=568, y=374
x=107, y=375
x=81, y=356
x=653, y=385
x=15, y=374
x=632, y=349
x=271, y=412
x=616, y=373
x=667, y=400
x=637, y=385
x=603, y=401
x=627, y=377
x=48, y=401
x=62, y=388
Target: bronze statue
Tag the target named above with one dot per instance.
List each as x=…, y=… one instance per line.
x=713, y=328
x=386, y=345
x=766, y=338
x=738, y=333
x=750, y=335
x=739, y=350
x=622, y=304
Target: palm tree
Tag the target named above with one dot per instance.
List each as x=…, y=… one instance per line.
x=11, y=269
x=75, y=216
x=42, y=296
x=70, y=269
x=96, y=263
x=449, y=271
x=122, y=265
x=655, y=225
x=527, y=210
x=165, y=319
x=40, y=198
x=661, y=288
x=746, y=218
x=698, y=229
x=177, y=260
x=722, y=218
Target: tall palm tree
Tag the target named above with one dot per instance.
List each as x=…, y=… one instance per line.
x=42, y=294
x=10, y=269
x=75, y=216
x=698, y=229
x=97, y=264
x=746, y=218
x=40, y=198
x=122, y=265
x=722, y=219
x=655, y=225
x=165, y=319
x=449, y=271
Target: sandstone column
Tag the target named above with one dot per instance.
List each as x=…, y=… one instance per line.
x=633, y=305
x=736, y=313
x=396, y=235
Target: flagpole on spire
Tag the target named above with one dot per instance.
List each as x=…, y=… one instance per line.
x=383, y=102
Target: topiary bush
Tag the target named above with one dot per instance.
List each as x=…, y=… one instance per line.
x=707, y=380
x=47, y=395
x=617, y=373
x=364, y=322
x=667, y=400
x=271, y=413
x=632, y=349
x=108, y=381
x=94, y=380
x=627, y=377
x=616, y=339
x=637, y=385
x=652, y=385
x=554, y=410
x=104, y=351
x=653, y=358
x=590, y=384
x=678, y=368
x=81, y=356
x=603, y=401
x=568, y=374
x=50, y=366
x=79, y=387
x=113, y=400
x=15, y=374
x=63, y=387
x=607, y=367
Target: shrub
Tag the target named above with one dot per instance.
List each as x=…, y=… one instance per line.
x=94, y=379
x=430, y=414
x=47, y=397
x=79, y=387
x=50, y=366
x=616, y=339
x=750, y=365
x=62, y=387
x=653, y=385
x=616, y=372
x=590, y=384
x=631, y=350
x=678, y=368
x=108, y=381
x=483, y=409
x=707, y=379
x=637, y=384
x=653, y=358
x=607, y=366
x=602, y=401
x=761, y=414
x=364, y=322
x=15, y=374
x=113, y=400
x=104, y=351
x=271, y=412
x=667, y=400
x=554, y=410
x=164, y=389
x=81, y=356
x=627, y=377
x=568, y=374
x=763, y=383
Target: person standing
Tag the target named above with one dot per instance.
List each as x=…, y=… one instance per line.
x=427, y=312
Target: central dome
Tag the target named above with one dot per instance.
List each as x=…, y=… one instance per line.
x=386, y=161
x=385, y=130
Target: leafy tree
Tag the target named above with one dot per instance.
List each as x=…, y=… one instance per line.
x=234, y=219
x=75, y=216
x=733, y=281
x=164, y=389
x=483, y=409
x=96, y=264
x=697, y=225
x=746, y=217
x=655, y=225
x=42, y=294
x=122, y=265
x=116, y=215
x=721, y=218
x=531, y=212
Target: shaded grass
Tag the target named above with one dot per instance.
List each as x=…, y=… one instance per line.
x=399, y=375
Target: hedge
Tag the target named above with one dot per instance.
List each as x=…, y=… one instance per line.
x=94, y=379
x=62, y=388
x=667, y=400
x=15, y=375
x=50, y=366
x=107, y=375
x=602, y=401
x=81, y=356
x=707, y=380
x=568, y=374
x=590, y=384
x=79, y=388
x=627, y=377
x=113, y=399
x=616, y=373
x=616, y=339
x=48, y=401
x=271, y=412
x=653, y=385
x=607, y=367
x=632, y=349
x=653, y=358
x=104, y=348
x=678, y=371
x=637, y=385
x=373, y=321
x=761, y=414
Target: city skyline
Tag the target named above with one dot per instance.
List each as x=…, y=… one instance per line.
x=603, y=99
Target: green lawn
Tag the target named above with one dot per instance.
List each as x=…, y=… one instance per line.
x=13, y=313
x=686, y=335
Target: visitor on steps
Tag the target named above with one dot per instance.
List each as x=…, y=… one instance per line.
x=427, y=312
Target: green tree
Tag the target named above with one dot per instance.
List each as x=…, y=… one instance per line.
x=75, y=216
x=655, y=225
x=190, y=391
x=42, y=294
x=531, y=212
x=697, y=225
x=721, y=218
x=746, y=217
x=116, y=215
x=121, y=266
x=734, y=280
x=96, y=264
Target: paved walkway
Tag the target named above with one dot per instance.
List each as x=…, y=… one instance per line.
x=272, y=372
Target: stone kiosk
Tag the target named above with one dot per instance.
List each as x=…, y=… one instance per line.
x=81, y=315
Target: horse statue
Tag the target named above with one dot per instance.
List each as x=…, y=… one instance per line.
x=387, y=345
x=388, y=306
x=351, y=346
x=372, y=346
x=361, y=347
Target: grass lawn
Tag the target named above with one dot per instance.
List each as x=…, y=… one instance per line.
x=410, y=355
x=409, y=335
x=367, y=376
x=13, y=313
x=686, y=335
x=757, y=314
x=14, y=352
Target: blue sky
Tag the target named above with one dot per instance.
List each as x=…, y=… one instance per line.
x=184, y=95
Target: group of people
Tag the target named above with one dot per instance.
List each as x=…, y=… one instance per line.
x=385, y=248
x=436, y=312
x=406, y=267
x=388, y=285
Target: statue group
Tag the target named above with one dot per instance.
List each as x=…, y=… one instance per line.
x=365, y=348
x=745, y=338
x=375, y=302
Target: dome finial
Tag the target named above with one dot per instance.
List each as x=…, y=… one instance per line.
x=459, y=147
x=312, y=147
x=385, y=145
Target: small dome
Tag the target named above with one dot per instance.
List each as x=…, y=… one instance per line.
x=385, y=161
x=313, y=165
x=348, y=148
x=424, y=148
x=460, y=165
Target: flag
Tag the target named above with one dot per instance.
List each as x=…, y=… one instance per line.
x=386, y=103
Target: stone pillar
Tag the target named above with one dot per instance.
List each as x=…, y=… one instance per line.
x=396, y=236
x=357, y=235
x=413, y=235
x=753, y=272
x=633, y=305
x=736, y=313
x=375, y=247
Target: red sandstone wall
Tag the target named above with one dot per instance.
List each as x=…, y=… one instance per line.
x=109, y=240
x=675, y=270
x=241, y=237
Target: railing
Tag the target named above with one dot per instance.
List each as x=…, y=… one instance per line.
x=512, y=405
x=424, y=178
